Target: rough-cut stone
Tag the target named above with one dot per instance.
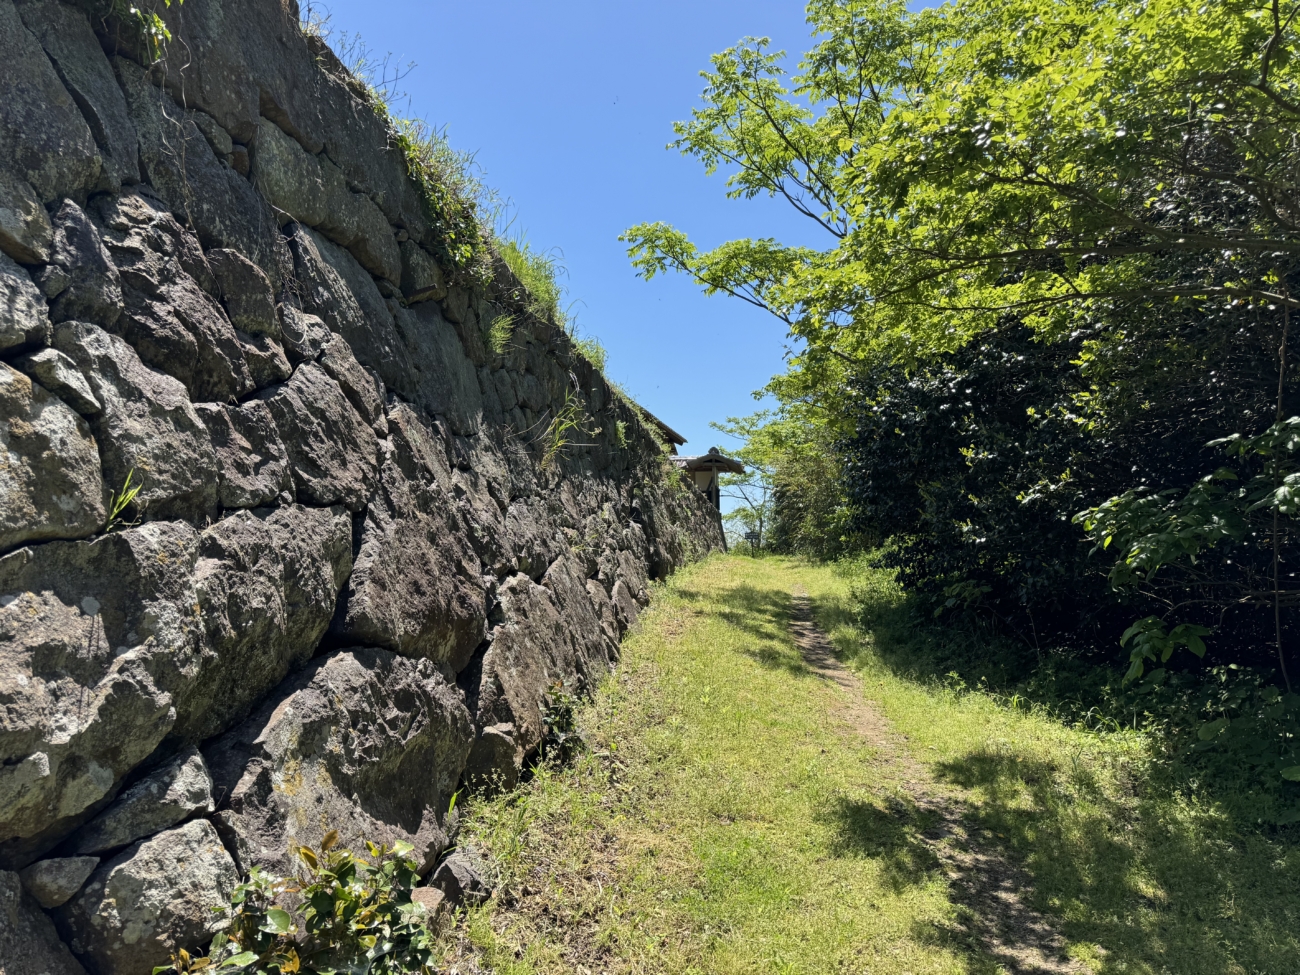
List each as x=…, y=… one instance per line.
x=422, y=278
x=147, y=425
x=23, y=318
x=447, y=383
x=180, y=165
x=332, y=450
x=530, y=652
x=65, y=34
x=171, y=319
x=415, y=588
x=495, y=759
x=594, y=652
x=335, y=287
x=254, y=466
x=625, y=607
x=25, y=231
x=91, y=635
x=246, y=292
x=363, y=389
x=267, y=362
x=54, y=882
x=94, y=289
x=171, y=794
x=29, y=945
x=50, y=483
x=314, y=191
x=167, y=893
x=431, y=899
x=305, y=335
x=266, y=586
x=464, y=878
x=60, y=375
x=363, y=741
x=43, y=137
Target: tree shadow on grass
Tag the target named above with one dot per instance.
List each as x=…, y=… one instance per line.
x=763, y=613
x=888, y=831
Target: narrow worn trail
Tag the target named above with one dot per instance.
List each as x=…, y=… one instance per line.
x=985, y=881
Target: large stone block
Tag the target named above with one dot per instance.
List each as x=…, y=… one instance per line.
x=530, y=653
x=69, y=42
x=416, y=587
x=221, y=206
x=335, y=287
x=50, y=483
x=92, y=637
x=266, y=582
x=147, y=426
x=90, y=288
x=29, y=945
x=253, y=463
x=54, y=882
x=332, y=450
x=446, y=382
x=171, y=318
x=363, y=742
x=43, y=137
x=180, y=788
x=167, y=893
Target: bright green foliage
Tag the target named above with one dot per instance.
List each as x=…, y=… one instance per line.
x=499, y=334
x=341, y=914
x=539, y=272
x=122, y=500
x=1044, y=158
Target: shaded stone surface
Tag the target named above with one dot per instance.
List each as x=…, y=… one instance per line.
x=416, y=587
x=43, y=137
x=29, y=944
x=23, y=316
x=93, y=289
x=178, y=789
x=25, y=231
x=494, y=761
x=245, y=291
x=266, y=583
x=68, y=40
x=253, y=465
x=464, y=878
x=147, y=426
x=155, y=897
x=50, y=482
x=54, y=882
x=332, y=450
x=362, y=741
x=170, y=317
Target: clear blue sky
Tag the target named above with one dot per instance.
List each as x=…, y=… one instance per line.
x=568, y=106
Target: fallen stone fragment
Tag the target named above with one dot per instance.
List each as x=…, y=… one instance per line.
x=54, y=882
x=432, y=899
x=29, y=945
x=167, y=893
x=172, y=794
x=463, y=878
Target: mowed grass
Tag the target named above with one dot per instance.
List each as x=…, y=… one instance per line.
x=724, y=821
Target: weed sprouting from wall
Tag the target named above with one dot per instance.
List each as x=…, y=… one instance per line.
x=500, y=332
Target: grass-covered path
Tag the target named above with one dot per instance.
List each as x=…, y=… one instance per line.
x=749, y=805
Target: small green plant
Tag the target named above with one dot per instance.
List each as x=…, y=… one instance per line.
x=620, y=434
x=567, y=420
x=500, y=332
x=121, y=500
x=351, y=916
x=589, y=348
x=562, y=741
x=148, y=23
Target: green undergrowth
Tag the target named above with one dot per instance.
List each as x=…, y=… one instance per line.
x=721, y=821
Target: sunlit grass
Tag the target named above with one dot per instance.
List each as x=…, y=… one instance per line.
x=723, y=822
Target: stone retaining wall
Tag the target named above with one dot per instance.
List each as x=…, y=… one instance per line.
x=354, y=569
